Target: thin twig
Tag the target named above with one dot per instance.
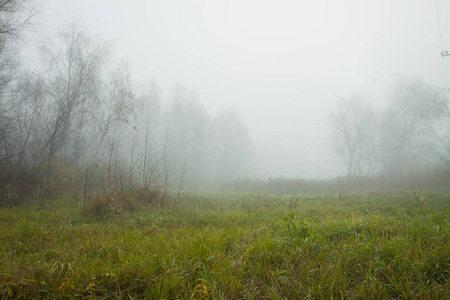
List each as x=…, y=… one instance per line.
x=420, y=204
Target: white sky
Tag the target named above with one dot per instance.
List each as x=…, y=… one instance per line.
x=283, y=65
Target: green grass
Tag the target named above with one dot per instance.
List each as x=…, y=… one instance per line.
x=232, y=246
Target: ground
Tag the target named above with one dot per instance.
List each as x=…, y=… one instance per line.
x=231, y=246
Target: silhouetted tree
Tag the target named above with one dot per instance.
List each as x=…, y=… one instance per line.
x=15, y=16
x=353, y=126
x=441, y=125
x=74, y=82
x=405, y=133
x=189, y=135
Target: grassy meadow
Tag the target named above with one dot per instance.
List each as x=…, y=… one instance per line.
x=230, y=246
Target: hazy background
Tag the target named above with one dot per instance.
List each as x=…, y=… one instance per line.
x=283, y=65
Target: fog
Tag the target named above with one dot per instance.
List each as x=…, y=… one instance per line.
x=281, y=65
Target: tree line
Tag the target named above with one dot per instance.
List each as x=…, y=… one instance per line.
x=410, y=135
x=81, y=115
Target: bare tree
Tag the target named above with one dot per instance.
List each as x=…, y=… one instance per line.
x=441, y=125
x=74, y=83
x=117, y=103
x=353, y=126
x=30, y=94
x=404, y=131
x=15, y=15
x=150, y=129
x=190, y=139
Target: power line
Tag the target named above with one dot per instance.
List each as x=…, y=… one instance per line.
x=443, y=54
x=439, y=26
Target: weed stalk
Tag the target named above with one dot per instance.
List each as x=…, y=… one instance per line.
x=420, y=204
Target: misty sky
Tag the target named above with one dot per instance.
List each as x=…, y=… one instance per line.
x=283, y=65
